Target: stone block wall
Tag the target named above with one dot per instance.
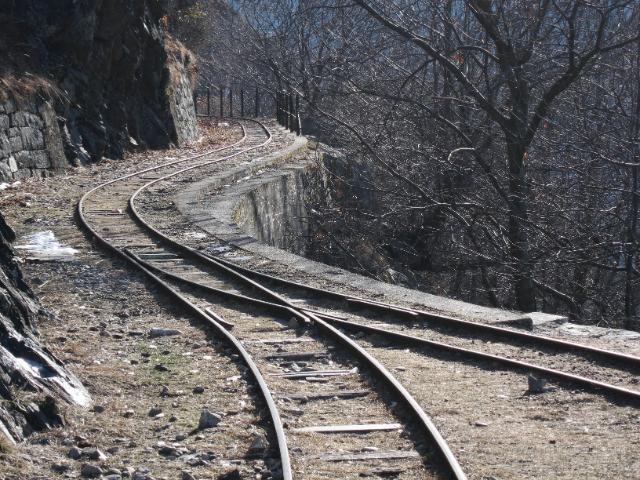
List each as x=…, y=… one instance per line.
x=274, y=211
x=30, y=140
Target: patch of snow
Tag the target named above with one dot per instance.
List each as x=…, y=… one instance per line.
x=4, y=185
x=35, y=368
x=220, y=249
x=598, y=332
x=45, y=245
x=239, y=258
x=196, y=235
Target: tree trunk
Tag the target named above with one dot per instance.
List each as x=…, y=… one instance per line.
x=524, y=288
x=629, y=297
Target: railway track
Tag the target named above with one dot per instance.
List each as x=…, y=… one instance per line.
x=306, y=367
x=570, y=363
x=607, y=372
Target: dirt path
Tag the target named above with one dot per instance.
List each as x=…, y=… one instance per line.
x=148, y=392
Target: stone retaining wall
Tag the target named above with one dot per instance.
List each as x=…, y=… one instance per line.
x=245, y=207
x=30, y=140
x=274, y=212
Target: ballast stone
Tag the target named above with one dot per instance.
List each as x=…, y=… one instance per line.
x=163, y=332
x=208, y=419
x=90, y=471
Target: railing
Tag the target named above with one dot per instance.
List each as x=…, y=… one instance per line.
x=288, y=111
x=287, y=105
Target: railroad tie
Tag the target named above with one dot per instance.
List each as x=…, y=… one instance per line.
x=354, y=428
x=315, y=373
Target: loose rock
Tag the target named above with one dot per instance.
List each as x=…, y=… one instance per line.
x=141, y=474
x=258, y=444
x=74, y=453
x=232, y=475
x=155, y=411
x=60, y=467
x=536, y=385
x=82, y=442
x=208, y=419
x=94, y=454
x=90, y=471
x=168, y=451
x=163, y=332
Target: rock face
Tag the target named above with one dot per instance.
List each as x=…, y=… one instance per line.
x=31, y=378
x=80, y=80
x=115, y=78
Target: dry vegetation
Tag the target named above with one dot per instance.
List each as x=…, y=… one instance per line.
x=494, y=144
x=183, y=56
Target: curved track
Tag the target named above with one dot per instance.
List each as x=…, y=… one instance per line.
x=111, y=203
x=568, y=362
x=504, y=334
x=413, y=322
x=102, y=213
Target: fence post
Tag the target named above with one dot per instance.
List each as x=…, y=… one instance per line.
x=195, y=101
x=279, y=107
x=285, y=110
x=291, y=113
x=221, y=102
x=242, y=103
x=208, y=101
x=298, y=126
x=285, y=115
x=257, y=111
x=230, y=102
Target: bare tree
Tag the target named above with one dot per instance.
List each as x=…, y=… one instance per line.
x=495, y=143
x=510, y=39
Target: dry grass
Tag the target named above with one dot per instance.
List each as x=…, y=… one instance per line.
x=179, y=54
x=5, y=444
x=23, y=87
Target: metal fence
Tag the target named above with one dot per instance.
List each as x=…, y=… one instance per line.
x=234, y=102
